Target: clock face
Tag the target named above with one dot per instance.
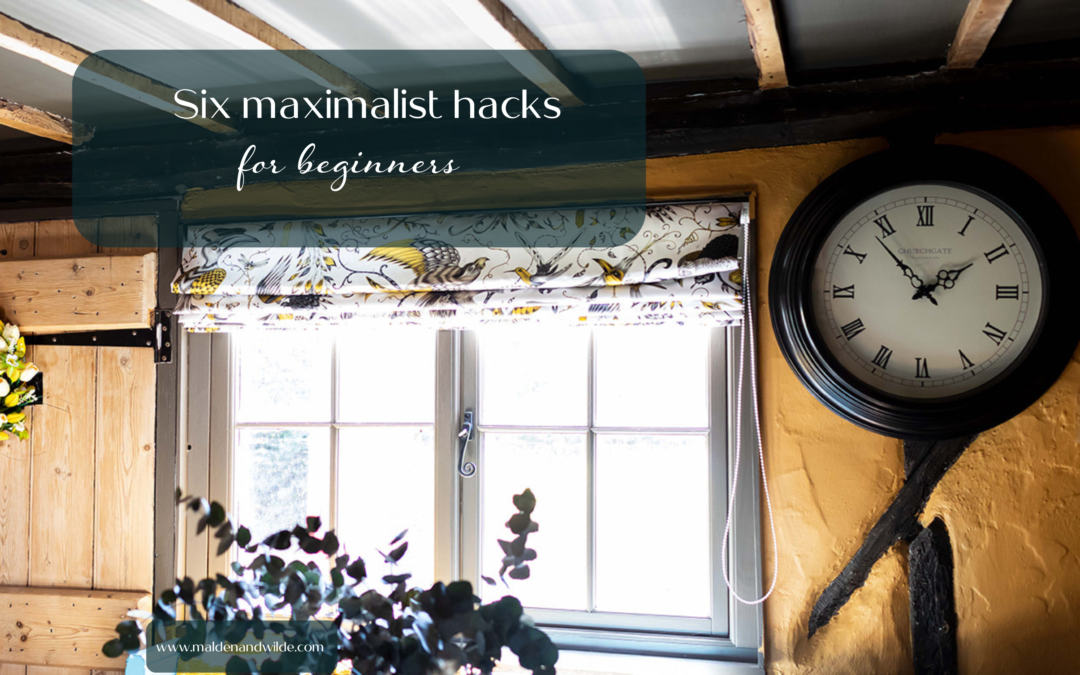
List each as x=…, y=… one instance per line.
x=927, y=291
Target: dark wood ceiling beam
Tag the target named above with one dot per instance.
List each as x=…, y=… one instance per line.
x=691, y=118
x=498, y=26
x=698, y=118
x=765, y=42
x=977, y=27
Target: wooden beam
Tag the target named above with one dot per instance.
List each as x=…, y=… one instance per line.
x=933, y=602
x=765, y=43
x=79, y=294
x=695, y=118
x=899, y=522
x=40, y=123
x=17, y=37
x=496, y=24
x=682, y=118
x=233, y=23
x=63, y=627
x=977, y=27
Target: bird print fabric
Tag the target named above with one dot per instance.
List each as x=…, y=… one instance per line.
x=680, y=267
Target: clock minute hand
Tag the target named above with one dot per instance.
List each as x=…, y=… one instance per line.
x=916, y=282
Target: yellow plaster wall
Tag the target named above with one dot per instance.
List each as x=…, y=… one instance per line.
x=1012, y=502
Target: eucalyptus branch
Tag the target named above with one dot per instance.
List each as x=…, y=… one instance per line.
x=407, y=631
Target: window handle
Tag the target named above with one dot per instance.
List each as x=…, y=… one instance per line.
x=466, y=469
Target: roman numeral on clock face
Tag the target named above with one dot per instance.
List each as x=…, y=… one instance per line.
x=859, y=256
x=964, y=360
x=994, y=333
x=852, y=329
x=882, y=358
x=1007, y=293
x=922, y=370
x=843, y=292
x=886, y=227
x=998, y=252
x=963, y=230
x=926, y=216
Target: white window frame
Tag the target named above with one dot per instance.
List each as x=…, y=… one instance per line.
x=734, y=631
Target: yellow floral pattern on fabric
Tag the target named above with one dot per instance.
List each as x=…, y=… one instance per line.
x=681, y=266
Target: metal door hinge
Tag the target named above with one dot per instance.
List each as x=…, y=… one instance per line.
x=159, y=337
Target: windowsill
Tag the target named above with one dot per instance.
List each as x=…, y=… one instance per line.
x=596, y=663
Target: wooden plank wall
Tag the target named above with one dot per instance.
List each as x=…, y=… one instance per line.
x=77, y=497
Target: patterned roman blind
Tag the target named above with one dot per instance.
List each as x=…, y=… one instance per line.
x=680, y=267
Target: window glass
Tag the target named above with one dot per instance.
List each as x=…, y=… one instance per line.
x=386, y=485
x=387, y=376
x=534, y=377
x=284, y=377
x=652, y=377
x=281, y=477
x=555, y=468
x=652, y=523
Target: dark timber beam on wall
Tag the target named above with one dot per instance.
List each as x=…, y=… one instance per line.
x=899, y=522
x=977, y=27
x=498, y=26
x=933, y=602
x=765, y=42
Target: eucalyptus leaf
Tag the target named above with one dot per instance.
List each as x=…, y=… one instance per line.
x=113, y=649
x=525, y=502
x=521, y=572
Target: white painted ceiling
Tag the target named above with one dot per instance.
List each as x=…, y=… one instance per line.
x=669, y=39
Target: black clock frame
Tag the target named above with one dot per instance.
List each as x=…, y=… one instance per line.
x=1038, y=367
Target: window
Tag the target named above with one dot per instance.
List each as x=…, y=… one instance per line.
x=623, y=434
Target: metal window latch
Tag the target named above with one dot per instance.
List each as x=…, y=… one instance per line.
x=466, y=469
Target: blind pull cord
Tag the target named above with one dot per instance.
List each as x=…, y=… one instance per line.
x=744, y=361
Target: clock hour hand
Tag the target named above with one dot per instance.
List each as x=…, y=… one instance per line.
x=945, y=279
x=916, y=282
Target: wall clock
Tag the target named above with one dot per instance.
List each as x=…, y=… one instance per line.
x=929, y=293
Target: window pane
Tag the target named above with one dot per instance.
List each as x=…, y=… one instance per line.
x=534, y=377
x=652, y=524
x=554, y=467
x=652, y=377
x=281, y=476
x=387, y=376
x=386, y=484
x=284, y=377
